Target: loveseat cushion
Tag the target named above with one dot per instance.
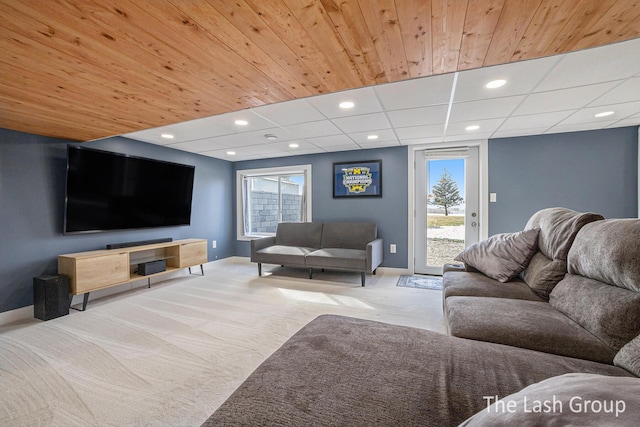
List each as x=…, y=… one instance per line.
x=629, y=357
x=347, y=259
x=501, y=256
x=462, y=283
x=610, y=313
x=348, y=235
x=343, y=371
x=285, y=255
x=575, y=399
x=608, y=251
x=526, y=324
x=303, y=234
x=558, y=229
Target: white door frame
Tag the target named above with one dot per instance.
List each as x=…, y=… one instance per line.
x=483, y=191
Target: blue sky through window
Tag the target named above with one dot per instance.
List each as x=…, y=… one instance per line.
x=455, y=168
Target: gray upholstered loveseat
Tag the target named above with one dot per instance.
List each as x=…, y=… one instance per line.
x=344, y=371
x=351, y=246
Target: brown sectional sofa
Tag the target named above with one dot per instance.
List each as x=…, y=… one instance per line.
x=589, y=312
x=340, y=371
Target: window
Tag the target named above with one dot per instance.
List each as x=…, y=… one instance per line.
x=266, y=197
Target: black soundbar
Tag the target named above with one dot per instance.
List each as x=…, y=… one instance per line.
x=139, y=243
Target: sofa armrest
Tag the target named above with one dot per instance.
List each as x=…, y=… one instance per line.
x=375, y=251
x=452, y=267
x=263, y=242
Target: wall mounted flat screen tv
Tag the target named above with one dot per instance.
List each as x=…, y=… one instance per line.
x=109, y=191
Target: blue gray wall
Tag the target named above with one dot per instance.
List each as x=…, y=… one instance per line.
x=593, y=171
x=32, y=189
x=389, y=212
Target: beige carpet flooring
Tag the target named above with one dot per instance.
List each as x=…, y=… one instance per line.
x=170, y=355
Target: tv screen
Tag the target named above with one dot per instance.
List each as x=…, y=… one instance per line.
x=109, y=191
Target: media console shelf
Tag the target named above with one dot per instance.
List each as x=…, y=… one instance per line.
x=95, y=270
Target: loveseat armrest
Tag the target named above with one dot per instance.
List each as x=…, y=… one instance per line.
x=375, y=251
x=261, y=243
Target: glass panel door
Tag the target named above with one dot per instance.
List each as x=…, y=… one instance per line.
x=447, y=221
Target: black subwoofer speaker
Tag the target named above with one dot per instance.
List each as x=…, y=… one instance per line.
x=50, y=296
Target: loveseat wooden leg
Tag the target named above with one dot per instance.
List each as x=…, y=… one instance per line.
x=310, y=273
x=363, y=275
x=259, y=269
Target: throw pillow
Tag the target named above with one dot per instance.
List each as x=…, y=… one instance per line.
x=566, y=400
x=543, y=274
x=629, y=357
x=502, y=256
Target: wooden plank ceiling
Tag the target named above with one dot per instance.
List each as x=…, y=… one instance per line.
x=83, y=69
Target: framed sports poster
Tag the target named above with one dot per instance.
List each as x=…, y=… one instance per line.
x=357, y=179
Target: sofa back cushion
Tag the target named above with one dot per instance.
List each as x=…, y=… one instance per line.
x=558, y=229
x=610, y=313
x=543, y=274
x=305, y=234
x=608, y=251
x=629, y=357
x=348, y=235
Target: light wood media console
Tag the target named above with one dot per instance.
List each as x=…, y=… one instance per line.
x=94, y=270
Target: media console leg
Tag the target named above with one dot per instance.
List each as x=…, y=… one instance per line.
x=85, y=300
x=201, y=271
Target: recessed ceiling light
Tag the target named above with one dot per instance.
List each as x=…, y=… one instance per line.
x=293, y=145
x=241, y=122
x=493, y=84
x=605, y=114
x=231, y=153
x=347, y=104
x=167, y=136
x=271, y=136
x=372, y=136
x=472, y=127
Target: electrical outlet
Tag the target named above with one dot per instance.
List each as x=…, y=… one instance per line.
x=214, y=244
x=392, y=248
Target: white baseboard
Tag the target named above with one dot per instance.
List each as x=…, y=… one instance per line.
x=16, y=315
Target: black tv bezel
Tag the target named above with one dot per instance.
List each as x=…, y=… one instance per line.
x=113, y=153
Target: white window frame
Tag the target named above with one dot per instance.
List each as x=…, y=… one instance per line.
x=284, y=170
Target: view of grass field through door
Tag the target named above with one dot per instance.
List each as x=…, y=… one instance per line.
x=445, y=210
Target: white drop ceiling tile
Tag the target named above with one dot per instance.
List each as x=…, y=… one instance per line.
x=484, y=109
x=198, y=129
x=418, y=116
x=332, y=141
x=421, y=92
x=228, y=141
x=199, y=145
x=631, y=121
x=365, y=101
x=470, y=137
x=383, y=136
x=422, y=141
x=314, y=129
x=379, y=144
x=559, y=100
x=366, y=122
x=500, y=133
x=628, y=91
x=282, y=133
x=486, y=126
x=590, y=66
x=587, y=115
x=522, y=77
x=154, y=135
x=431, y=131
x=255, y=121
x=289, y=112
x=532, y=121
x=578, y=127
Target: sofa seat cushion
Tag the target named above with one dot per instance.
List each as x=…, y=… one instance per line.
x=285, y=255
x=526, y=324
x=343, y=371
x=478, y=285
x=348, y=259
